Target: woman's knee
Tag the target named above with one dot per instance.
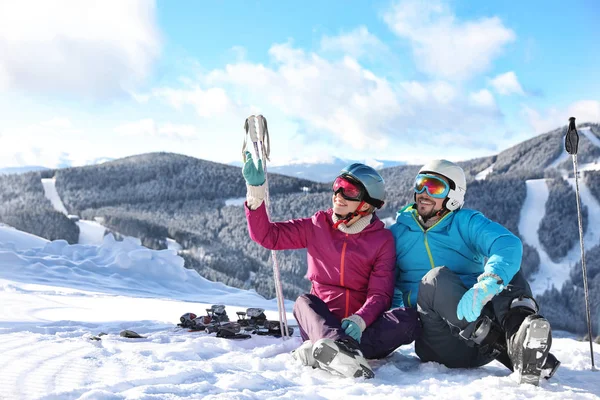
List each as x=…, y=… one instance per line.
x=305, y=300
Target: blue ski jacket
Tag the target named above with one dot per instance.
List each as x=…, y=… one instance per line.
x=465, y=241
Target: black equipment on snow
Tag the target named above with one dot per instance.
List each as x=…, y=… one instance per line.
x=253, y=320
x=187, y=320
x=571, y=144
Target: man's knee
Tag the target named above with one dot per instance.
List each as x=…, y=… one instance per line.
x=435, y=274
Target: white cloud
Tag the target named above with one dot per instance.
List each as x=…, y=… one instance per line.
x=482, y=98
x=144, y=127
x=178, y=131
x=89, y=49
x=348, y=105
x=338, y=97
x=357, y=43
x=507, y=84
x=63, y=123
x=585, y=111
x=442, y=45
x=39, y=144
x=552, y=118
x=149, y=128
x=211, y=102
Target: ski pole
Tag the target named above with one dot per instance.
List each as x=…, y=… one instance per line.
x=256, y=129
x=571, y=143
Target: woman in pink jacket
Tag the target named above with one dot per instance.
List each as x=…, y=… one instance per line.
x=351, y=265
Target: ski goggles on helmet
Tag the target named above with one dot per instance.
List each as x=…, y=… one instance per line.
x=435, y=186
x=349, y=190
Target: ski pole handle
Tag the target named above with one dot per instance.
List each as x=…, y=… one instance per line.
x=572, y=138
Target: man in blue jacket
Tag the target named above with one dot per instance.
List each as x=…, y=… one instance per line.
x=462, y=272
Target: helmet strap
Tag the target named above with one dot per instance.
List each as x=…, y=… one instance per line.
x=352, y=217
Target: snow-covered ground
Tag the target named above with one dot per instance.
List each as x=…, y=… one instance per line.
x=173, y=245
x=483, y=174
x=52, y=195
x=55, y=296
x=235, y=201
x=591, y=166
x=588, y=134
x=90, y=232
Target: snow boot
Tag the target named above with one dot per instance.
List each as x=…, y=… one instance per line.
x=342, y=357
x=528, y=340
x=304, y=354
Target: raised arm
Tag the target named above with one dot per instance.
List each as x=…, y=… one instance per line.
x=293, y=234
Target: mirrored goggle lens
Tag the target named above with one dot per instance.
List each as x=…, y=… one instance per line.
x=349, y=190
x=434, y=186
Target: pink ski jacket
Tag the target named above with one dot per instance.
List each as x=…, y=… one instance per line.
x=351, y=273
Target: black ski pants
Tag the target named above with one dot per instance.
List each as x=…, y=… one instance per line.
x=439, y=294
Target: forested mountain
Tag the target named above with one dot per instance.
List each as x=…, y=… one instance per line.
x=23, y=206
x=159, y=195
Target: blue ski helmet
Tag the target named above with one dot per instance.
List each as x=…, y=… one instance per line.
x=370, y=180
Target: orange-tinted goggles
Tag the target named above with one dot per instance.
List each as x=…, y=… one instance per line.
x=433, y=185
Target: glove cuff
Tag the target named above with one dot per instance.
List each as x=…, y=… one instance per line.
x=485, y=275
x=255, y=195
x=357, y=319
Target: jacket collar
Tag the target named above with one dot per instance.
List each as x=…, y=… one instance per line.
x=409, y=217
x=374, y=224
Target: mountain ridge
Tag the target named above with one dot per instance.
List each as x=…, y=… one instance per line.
x=158, y=195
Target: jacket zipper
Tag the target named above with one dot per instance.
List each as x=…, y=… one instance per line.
x=425, y=237
x=342, y=265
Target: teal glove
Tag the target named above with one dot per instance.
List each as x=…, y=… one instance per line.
x=352, y=329
x=472, y=302
x=254, y=176
x=398, y=299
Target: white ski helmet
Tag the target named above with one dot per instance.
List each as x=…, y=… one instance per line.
x=456, y=176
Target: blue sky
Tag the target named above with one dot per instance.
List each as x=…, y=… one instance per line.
x=395, y=80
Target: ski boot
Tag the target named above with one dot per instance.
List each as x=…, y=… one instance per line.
x=342, y=357
x=304, y=354
x=187, y=320
x=193, y=322
x=228, y=330
x=528, y=340
x=273, y=328
x=487, y=335
x=253, y=319
x=217, y=313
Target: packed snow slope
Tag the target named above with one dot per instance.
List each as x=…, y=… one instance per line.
x=56, y=296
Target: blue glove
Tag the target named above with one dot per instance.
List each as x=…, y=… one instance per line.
x=254, y=176
x=352, y=329
x=472, y=302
